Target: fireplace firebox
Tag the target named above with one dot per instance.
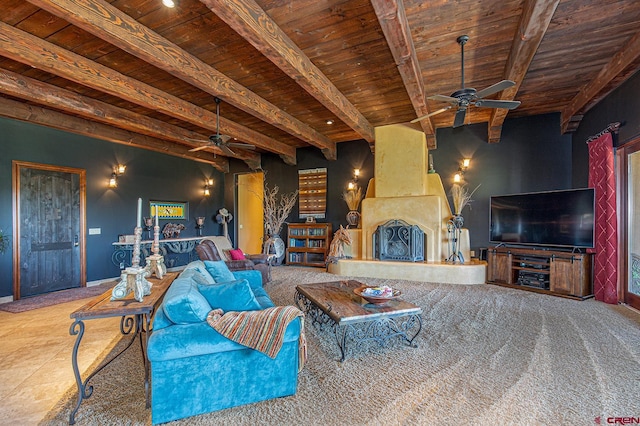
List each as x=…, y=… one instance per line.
x=397, y=240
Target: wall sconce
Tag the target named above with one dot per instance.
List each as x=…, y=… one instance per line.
x=353, y=184
x=117, y=171
x=457, y=178
x=207, y=184
x=113, y=181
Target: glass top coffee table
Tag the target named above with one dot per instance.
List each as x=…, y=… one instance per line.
x=354, y=320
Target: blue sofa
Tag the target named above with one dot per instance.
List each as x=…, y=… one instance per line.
x=196, y=370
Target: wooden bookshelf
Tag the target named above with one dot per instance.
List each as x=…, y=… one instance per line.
x=308, y=244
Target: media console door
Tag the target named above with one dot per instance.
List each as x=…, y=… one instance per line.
x=570, y=275
x=499, y=267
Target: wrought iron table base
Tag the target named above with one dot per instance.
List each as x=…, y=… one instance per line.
x=381, y=330
x=138, y=324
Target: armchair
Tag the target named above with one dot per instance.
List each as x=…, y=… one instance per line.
x=219, y=247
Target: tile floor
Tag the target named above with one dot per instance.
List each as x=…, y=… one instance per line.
x=35, y=358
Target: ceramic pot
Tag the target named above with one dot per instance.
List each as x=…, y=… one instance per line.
x=353, y=218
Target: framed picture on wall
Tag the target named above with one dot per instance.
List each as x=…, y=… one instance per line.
x=312, y=184
x=169, y=209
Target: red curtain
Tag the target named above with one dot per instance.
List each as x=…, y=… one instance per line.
x=602, y=178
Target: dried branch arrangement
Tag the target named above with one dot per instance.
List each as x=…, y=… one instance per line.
x=353, y=197
x=461, y=197
x=277, y=208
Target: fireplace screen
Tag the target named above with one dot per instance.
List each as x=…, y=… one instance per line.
x=397, y=240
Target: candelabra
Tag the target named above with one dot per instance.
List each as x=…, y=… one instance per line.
x=454, y=228
x=199, y=225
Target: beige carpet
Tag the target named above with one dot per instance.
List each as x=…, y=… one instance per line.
x=487, y=355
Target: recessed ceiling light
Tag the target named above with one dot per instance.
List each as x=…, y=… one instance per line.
x=168, y=3
x=329, y=122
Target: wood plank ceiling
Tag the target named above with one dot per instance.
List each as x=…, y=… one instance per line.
x=136, y=72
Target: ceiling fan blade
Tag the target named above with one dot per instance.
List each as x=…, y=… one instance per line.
x=222, y=138
x=504, y=84
x=443, y=98
x=199, y=148
x=227, y=150
x=441, y=110
x=490, y=103
x=459, y=119
x=240, y=145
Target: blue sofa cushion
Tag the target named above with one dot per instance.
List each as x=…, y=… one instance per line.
x=198, y=265
x=219, y=271
x=230, y=296
x=192, y=340
x=183, y=303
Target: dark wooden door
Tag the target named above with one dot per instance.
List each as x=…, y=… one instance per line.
x=50, y=223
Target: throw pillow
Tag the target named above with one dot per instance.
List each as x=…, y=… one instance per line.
x=196, y=276
x=219, y=271
x=237, y=254
x=230, y=296
x=198, y=265
x=183, y=303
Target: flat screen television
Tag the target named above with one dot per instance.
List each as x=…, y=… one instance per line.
x=553, y=218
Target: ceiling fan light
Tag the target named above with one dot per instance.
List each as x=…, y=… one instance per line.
x=169, y=3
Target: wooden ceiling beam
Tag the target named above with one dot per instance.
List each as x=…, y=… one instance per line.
x=53, y=97
x=623, y=65
x=393, y=20
x=534, y=21
x=249, y=20
x=57, y=120
x=33, y=51
x=110, y=24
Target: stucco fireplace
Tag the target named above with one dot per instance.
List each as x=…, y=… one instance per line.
x=403, y=189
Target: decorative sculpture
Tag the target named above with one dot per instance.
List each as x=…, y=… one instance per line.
x=224, y=217
x=172, y=230
x=336, y=249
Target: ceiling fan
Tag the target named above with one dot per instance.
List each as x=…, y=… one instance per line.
x=221, y=141
x=468, y=96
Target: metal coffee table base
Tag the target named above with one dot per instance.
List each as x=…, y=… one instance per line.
x=381, y=330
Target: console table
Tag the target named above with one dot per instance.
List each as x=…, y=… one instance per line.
x=135, y=321
x=122, y=252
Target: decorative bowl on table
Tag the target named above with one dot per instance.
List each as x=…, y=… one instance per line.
x=372, y=295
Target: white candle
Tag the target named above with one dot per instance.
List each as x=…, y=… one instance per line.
x=139, y=222
x=156, y=218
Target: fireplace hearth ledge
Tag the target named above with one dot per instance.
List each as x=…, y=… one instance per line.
x=470, y=272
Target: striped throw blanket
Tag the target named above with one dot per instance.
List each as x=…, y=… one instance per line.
x=260, y=330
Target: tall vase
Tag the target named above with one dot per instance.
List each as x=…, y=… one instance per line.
x=353, y=218
x=274, y=245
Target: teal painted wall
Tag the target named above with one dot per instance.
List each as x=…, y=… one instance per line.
x=149, y=175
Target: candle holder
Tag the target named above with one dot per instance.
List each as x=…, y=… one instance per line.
x=454, y=229
x=133, y=278
x=137, y=237
x=199, y=225
x=148, y=226
x=155, y=265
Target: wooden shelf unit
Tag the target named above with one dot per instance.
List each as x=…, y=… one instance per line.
x=556, y=272
x=308, y=243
